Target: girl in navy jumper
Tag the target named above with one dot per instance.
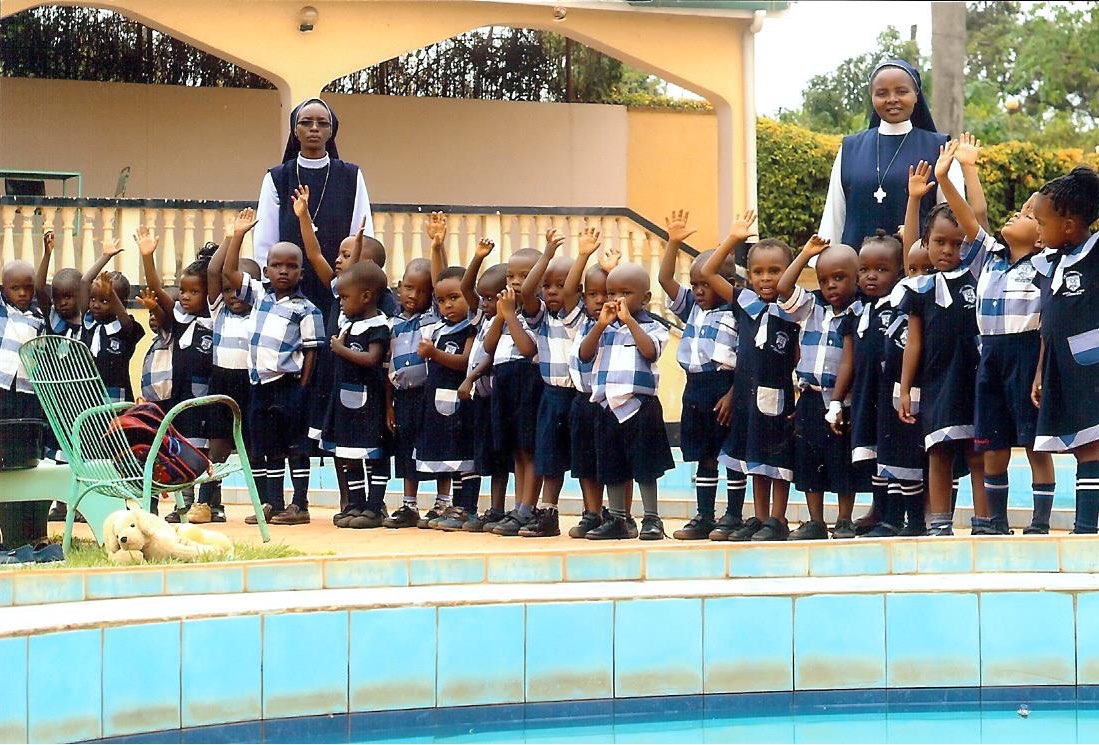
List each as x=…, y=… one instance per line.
x=1067, y=384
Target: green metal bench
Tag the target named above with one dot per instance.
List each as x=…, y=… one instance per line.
x=105, y=473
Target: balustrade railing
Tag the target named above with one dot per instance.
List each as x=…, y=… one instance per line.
x=82, y=226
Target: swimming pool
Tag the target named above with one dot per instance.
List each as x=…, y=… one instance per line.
x=967, y=715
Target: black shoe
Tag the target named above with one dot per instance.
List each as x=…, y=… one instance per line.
x=437, y=511
x=498, y=517
x=772, y=530
x=652, y=528
x=725, y=527
x=983, y=530
x=1036, y=529
x=217, y=514
x=341, y=519
x=365, y=519
x=881, y=530
x=844, y=529
x=613, y=528
x=405, y=517
x=456, y=518
x=477, y=523
x=546, y=523
x=174, y=515
x=746, y=531
x=697, y=528
x=866, y=523
x=946, y=529
x=810, y=530
x=512, y=524
x=911, y=529
x=631, y=527
x=588, y=521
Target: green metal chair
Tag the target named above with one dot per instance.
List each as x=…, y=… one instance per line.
x=105, y=472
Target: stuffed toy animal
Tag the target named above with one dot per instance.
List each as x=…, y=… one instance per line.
x=132, y=536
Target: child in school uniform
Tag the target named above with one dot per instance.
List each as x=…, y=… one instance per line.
x=60, y=300
x=707, y=353
x=20, y=321
x=109, y=330
x=354, y=429
x=760, y=440
x=631, y=442
x=1009, y=321
x=1066, y=385
x=555, y=316
x=822, y=456
x=156, y=368
x=285, y=331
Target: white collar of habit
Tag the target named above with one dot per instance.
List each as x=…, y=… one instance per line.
x=313, y=162
x=885, y=128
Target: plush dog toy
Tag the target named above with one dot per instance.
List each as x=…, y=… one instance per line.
x=132, y=536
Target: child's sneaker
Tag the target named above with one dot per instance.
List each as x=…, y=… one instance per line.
x=199, y=514
x=697, y=528
x=512, y=524
x=725, y=527
x=480, y=523
x=867, y=522
x=881, y=530
x=434, y=513
x=747, y=531
x=843, y=529
x=546, y=524
x=365, y=519
x=652, y=528
x=292, y=515
x=404, y=517
x=613, y=528
x=588, y=521
x=1036, y=529
x=810, y=530
x=946, y=529
x=268, y=513
x=913, y=529
x=773, y=529
x=344, y=514
x=631, y=527
x=456, y=518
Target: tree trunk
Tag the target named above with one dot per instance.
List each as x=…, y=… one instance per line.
x=948, y=66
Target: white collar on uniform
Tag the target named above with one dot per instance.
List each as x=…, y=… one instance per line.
x=885, y=128
x=313, y=162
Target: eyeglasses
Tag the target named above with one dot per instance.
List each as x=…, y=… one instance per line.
x=318, y=123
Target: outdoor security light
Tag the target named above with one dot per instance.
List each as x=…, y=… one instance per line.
x=308, y=19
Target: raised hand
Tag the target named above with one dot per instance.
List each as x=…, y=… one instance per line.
x=676, y=223
x=48, y=241
x=103, y=284
x=609, y=258
x=969, y=148
x=742, y=226
x=484, y=248
x=436, y=228
x=301, y=201
x=815, y=246
x=919, y=184
x=146, y=241
x=246, y=220
x=505, y=302
x=609, y=313
x=590, y=241
x=148, y=300
x=554, y=241
x=947, y=153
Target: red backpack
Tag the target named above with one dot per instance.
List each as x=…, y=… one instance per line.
x=177, y=461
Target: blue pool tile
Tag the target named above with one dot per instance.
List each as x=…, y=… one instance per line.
x=1016, y=555
x=944, y=557
x=392, y=664
x=1078, y=554
x=305, y=729
x=124, y=584
x=64, y=699
x=1027, y=638
x=225, y=733
x=833, y=559
x=365, y=573
x=905, y=557
x=449, y=570
x=313, y=679
x=214, y=692
x=467, y=674
x=764, y=664
x=305, y=575
x=13, y=702
x=554, y=671
x=768, y=561
x=947, y=623
x=525, y=568
x=686, y=563
x=1087, y=639
x=7, y=591
x=648, y=662
x=839, y=642
x=140, y=678
x=204, y=580
x=585, y=566
x=35, y=588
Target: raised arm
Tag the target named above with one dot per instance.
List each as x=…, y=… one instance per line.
x=967, y=154
x=711, y=270
x=246, y=220
x=789, y=280
x=469, y=279
x=678, y=233
x=214, y=270
x=149, y=302
x=436, y=231
x=309, y=242
x=146, y=244
x=104, y=285
x=507, y=307
x=529, y=291
x=966, y=219
x=357, y=247
x=45, y=302
x=108, y=252
x=589, y=244
x=919, y=184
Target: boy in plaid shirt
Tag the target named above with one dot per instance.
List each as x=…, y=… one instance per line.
x=20, y=321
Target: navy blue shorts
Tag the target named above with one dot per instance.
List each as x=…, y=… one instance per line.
x=408, y=410
x=1005, y=416
x=582, y=420
x=700, y=436
x=487, y=460
x=516, y=392
x=822, y=459
x=634, y=450
x=277, y=417
x=552, y=454
x=235, y=385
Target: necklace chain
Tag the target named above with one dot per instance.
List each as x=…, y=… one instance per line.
x=324, y=187
x=877, y=162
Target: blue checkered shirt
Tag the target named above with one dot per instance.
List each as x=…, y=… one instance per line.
x=506, y=351
x=620, y=373
x=156, y=369
x=709, y=338
x=1008, y=301
x=16, y=328
x=477, y=353
x=232, y=334
x=554, y=335
x=407, y=369
x=580, y=371
x=821, y=338
x=281, y=329
x=60, y=327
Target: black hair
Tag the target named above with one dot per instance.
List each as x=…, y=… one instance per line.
x=727, y=268
x=198, y=267
x=367, y=275
x=889, y=240
x=451, y=272
x=1076, y=194
x=495, y=277
x=250, y=267
x=121, y=285
x=767, y=243
x=942, y=209
x=373, y=250
x=67, y=275
x=418, y=266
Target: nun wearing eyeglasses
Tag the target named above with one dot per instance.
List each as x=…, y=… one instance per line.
x=338, y=201
x=869, y=184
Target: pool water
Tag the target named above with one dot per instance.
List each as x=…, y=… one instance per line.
x=1060, y=715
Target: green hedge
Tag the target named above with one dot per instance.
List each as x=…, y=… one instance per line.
x=795, y=164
